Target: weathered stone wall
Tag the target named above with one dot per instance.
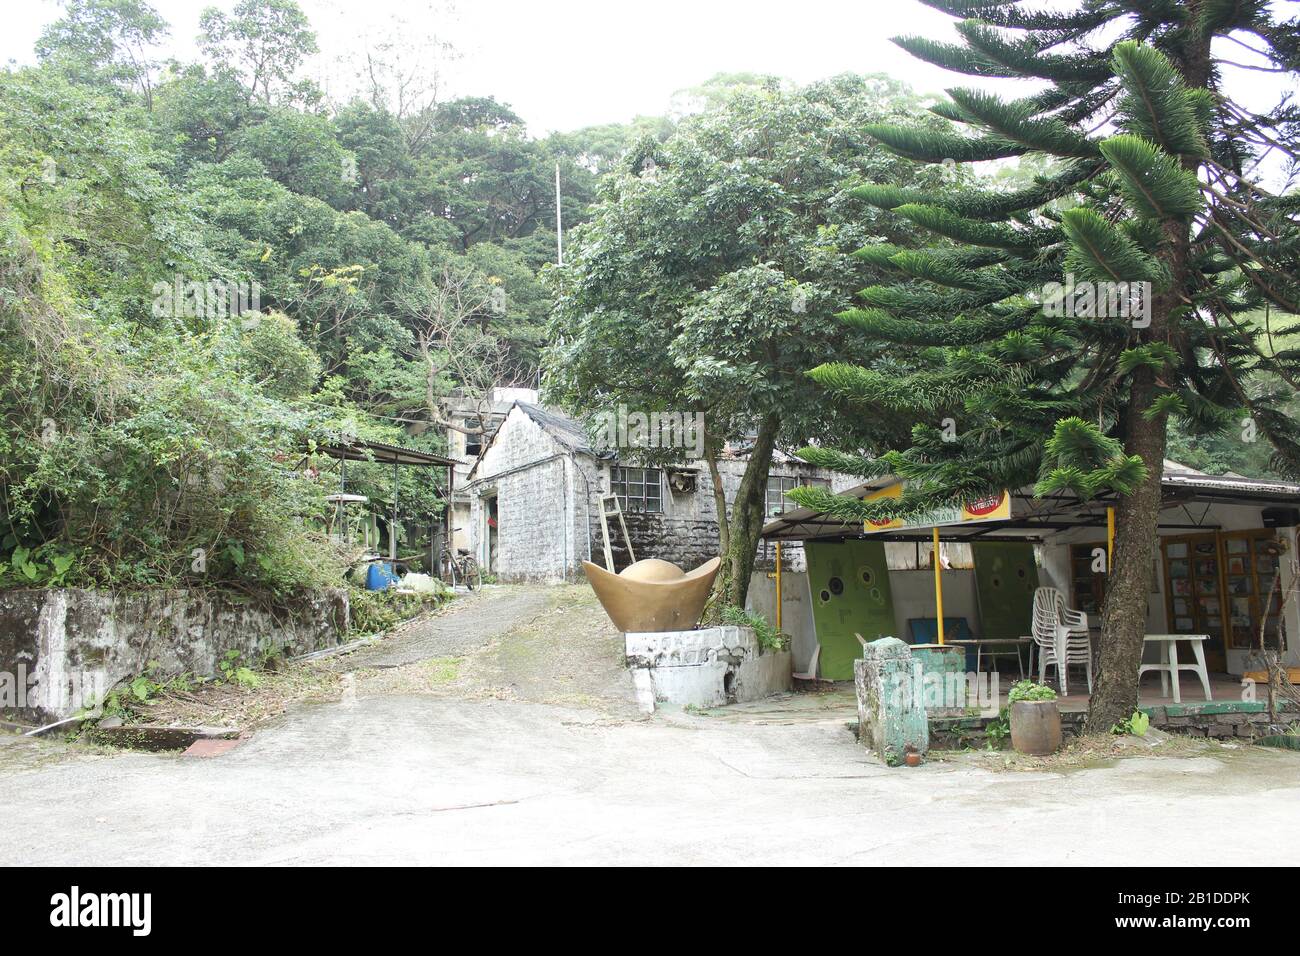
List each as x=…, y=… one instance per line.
x=686, y=533
x=527, y=471
x=1220, y=720
x=61, y=649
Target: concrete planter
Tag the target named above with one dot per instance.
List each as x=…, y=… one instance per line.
x=1036, y=727
x=707, y=667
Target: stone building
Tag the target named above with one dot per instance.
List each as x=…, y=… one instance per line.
x=534, y=496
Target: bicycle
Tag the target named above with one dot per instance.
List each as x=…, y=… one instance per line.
x=459, y=565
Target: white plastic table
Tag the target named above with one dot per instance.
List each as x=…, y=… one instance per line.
x=1169, y=666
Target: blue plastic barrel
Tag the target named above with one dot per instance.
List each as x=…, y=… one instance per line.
x=380, y=575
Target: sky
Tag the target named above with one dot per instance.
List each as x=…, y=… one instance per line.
x=565, y=64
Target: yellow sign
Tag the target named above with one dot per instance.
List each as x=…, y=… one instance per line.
x=994, y=507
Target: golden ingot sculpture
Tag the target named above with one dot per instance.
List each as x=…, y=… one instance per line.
x=653, y=595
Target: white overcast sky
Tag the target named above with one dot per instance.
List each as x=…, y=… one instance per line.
x=564, y=64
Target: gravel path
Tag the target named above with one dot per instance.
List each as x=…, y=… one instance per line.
x=466, y=625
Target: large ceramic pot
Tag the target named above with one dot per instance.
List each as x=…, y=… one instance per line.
x=1035, y=727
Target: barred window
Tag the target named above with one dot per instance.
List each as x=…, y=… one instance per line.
x=777, y=485
x=638, y=489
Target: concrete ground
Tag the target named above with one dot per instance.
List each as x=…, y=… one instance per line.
x=494, y=752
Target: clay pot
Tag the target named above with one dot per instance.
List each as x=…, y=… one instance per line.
x=913, y=759
x=1035, y=727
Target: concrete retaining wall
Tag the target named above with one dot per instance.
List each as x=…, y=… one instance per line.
x=1221, y=721
x=708, y=667
x=61, y=650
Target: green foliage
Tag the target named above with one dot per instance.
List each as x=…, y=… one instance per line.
x=1055, y=397
x=997, y=730
x=146, y=445
x=235, y=672
x=373, y=612
x=1136, y=724
x=766, y=632
x=1030, y=691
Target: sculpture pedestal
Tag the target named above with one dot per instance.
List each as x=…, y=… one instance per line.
x=707, y=667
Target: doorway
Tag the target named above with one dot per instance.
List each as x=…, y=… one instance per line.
x=491, y=535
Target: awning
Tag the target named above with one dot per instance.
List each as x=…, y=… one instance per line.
x=1031, y=518
x=362, y=450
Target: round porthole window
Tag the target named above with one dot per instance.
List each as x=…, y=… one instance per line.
x=1021, y=572
x=836, y=586
x=867, y=577
x=825, y=596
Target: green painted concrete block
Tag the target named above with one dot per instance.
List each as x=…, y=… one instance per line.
x=942, y=670
x=891, y=719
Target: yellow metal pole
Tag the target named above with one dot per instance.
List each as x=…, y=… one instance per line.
x=777, y=575
x=938, y=586
x=1110, y=537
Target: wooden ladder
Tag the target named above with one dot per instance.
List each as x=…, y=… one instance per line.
x=609, y=508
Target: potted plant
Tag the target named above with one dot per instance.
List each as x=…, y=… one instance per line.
x=1035, y=719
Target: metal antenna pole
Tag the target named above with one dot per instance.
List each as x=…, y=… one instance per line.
x=559, y=224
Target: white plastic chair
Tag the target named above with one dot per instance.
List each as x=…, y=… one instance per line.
x=1061, y=635
x=811, y=674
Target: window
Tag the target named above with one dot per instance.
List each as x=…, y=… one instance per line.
x=638, y=489
x=473, y=442
x=777, y=485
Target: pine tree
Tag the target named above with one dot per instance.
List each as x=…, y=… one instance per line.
x=1154, y=185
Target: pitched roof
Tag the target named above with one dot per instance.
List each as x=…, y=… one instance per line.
x=565, y=430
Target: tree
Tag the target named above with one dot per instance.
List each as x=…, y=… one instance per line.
x=709, y=275
x=456, y=349
x=1066, y=321
x=263, y=43
x=105, y=41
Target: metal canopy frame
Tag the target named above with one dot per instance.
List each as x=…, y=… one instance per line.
x=1040, y=517
x=359, y=449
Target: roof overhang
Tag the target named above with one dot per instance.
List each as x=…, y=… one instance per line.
x=1033, y=519
x=383, y=453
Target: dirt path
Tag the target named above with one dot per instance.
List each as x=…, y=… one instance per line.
x=549, y=645
x=463, y=627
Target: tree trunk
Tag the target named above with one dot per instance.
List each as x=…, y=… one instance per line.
x=747, y=515
x=1128, y=585
x=719, y=499
x=1137, y=518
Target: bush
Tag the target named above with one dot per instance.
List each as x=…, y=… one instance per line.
x=767, y=634
x=373, y=612
x=1031, y=691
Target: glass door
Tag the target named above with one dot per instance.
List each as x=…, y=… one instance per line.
x=1194, y=592
x=1253, y=592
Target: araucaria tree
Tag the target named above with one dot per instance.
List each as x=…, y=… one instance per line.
x=1062, y=325
x=710, y=274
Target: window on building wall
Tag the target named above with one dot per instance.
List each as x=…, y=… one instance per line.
x=777, y=485
x=473, y=442
x=638, y=489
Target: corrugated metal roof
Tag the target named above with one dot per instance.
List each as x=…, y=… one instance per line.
x=1180, y=485
x=362, y=450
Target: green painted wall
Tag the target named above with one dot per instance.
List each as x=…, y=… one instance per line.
x=1005, y=580
x=849, y=582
